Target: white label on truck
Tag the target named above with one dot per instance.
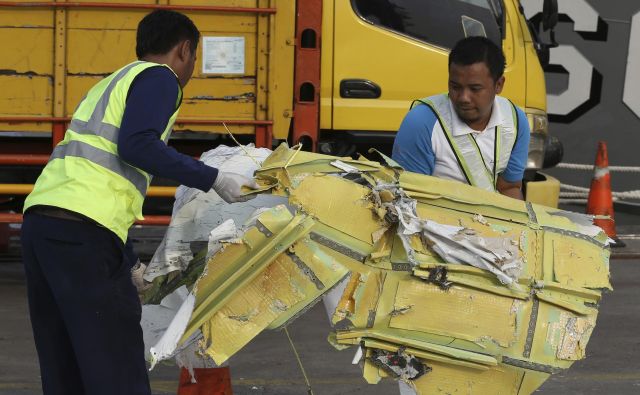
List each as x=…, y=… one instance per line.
x=223, y=55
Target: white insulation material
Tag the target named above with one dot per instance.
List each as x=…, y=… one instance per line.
x=168, y=342
x=163, y=325
x=196, y=213
x=454, y=244
x=197, y=217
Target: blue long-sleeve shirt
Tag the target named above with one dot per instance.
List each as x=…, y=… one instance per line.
x=150, y=103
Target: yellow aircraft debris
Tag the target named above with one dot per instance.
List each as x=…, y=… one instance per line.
x=445, y=286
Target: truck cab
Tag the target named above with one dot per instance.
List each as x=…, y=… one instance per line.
x=382, y=54
x=336, y=75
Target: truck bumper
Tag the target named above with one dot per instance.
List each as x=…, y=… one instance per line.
x=544, y=190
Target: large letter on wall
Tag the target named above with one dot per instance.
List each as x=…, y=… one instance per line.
x=583, y=91
x=585, y=82
x=631, y=96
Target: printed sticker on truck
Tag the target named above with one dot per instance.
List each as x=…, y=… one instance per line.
x=223, y=55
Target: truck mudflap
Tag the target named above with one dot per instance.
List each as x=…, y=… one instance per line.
x=442, y=285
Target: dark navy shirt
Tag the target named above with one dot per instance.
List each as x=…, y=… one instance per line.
x=150, y=103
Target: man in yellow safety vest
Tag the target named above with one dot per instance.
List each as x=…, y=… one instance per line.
x=84, y=307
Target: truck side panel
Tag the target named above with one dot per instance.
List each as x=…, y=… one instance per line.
x=405, y=68
x=94, y=42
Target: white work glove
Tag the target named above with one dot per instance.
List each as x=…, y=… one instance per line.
x=136, y=277
x=229, y=186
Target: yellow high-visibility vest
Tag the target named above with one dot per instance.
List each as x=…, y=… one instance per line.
x=84, y=173
x=465, y=148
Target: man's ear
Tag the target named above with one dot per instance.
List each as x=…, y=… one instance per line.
x=185, y=50
x=499, y=85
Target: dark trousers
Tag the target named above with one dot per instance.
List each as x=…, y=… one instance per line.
x=85, y=311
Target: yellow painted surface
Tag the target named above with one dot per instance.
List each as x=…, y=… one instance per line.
x=463, y=197
x=577, y=262
x=447, y=379
x=351, y=50
x=254, y=307
x=280, y=109
x=33, y=95
x=331, y=206
x=37, y=17
x=531, y=381
x=546, y=193
x=327, y=65
x=423, y=355
x=99, y=41
x=465, y=313
x=478, y=335
x=92, y=43
x=27, y=50
x=327, y=269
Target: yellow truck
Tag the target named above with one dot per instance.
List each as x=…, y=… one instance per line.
x=330, y=74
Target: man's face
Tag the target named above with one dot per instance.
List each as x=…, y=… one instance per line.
x=472, y=91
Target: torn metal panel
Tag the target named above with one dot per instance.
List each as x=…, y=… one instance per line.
x=462, y=313
x=569, y=335
x=362, y=224
x=458, y=196
x=531, y=381
x=196, y=213
x=462, y=275
x=445, y=378
x=399, y=364
x=400, y=339
x=492, y=293
x=238, y=264
x=578, y=263
x=424, y=355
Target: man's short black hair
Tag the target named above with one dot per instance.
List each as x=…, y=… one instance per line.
x=476, y=49
x=161, y=30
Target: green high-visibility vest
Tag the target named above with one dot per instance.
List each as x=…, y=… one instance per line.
x=465, y=148
x=84, y=173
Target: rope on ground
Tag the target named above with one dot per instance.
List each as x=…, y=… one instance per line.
x=578, y=166
x=304, y=373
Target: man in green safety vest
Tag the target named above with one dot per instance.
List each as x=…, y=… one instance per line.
x=84, y=307
x=471, y=134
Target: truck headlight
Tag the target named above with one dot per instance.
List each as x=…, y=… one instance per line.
x=536, y=151
x=539, y=125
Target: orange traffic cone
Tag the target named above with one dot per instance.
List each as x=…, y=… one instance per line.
x=209, y=381
x=600, y=200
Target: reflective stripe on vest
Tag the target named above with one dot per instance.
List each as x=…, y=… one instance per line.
x=465, y=148
x=85, y=173
x=95, y=125
x=104, y=159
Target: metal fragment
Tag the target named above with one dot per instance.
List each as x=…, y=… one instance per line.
x=533, y=320
x=306, y=270
x=344, y=250
x=531, y=365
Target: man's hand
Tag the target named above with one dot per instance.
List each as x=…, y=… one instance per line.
x=229, y=186
x=136, y=277
x=511, y=189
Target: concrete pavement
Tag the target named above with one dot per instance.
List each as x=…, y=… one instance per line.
x=267, y=366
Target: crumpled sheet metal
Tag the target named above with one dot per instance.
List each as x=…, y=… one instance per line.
x=472, y=329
